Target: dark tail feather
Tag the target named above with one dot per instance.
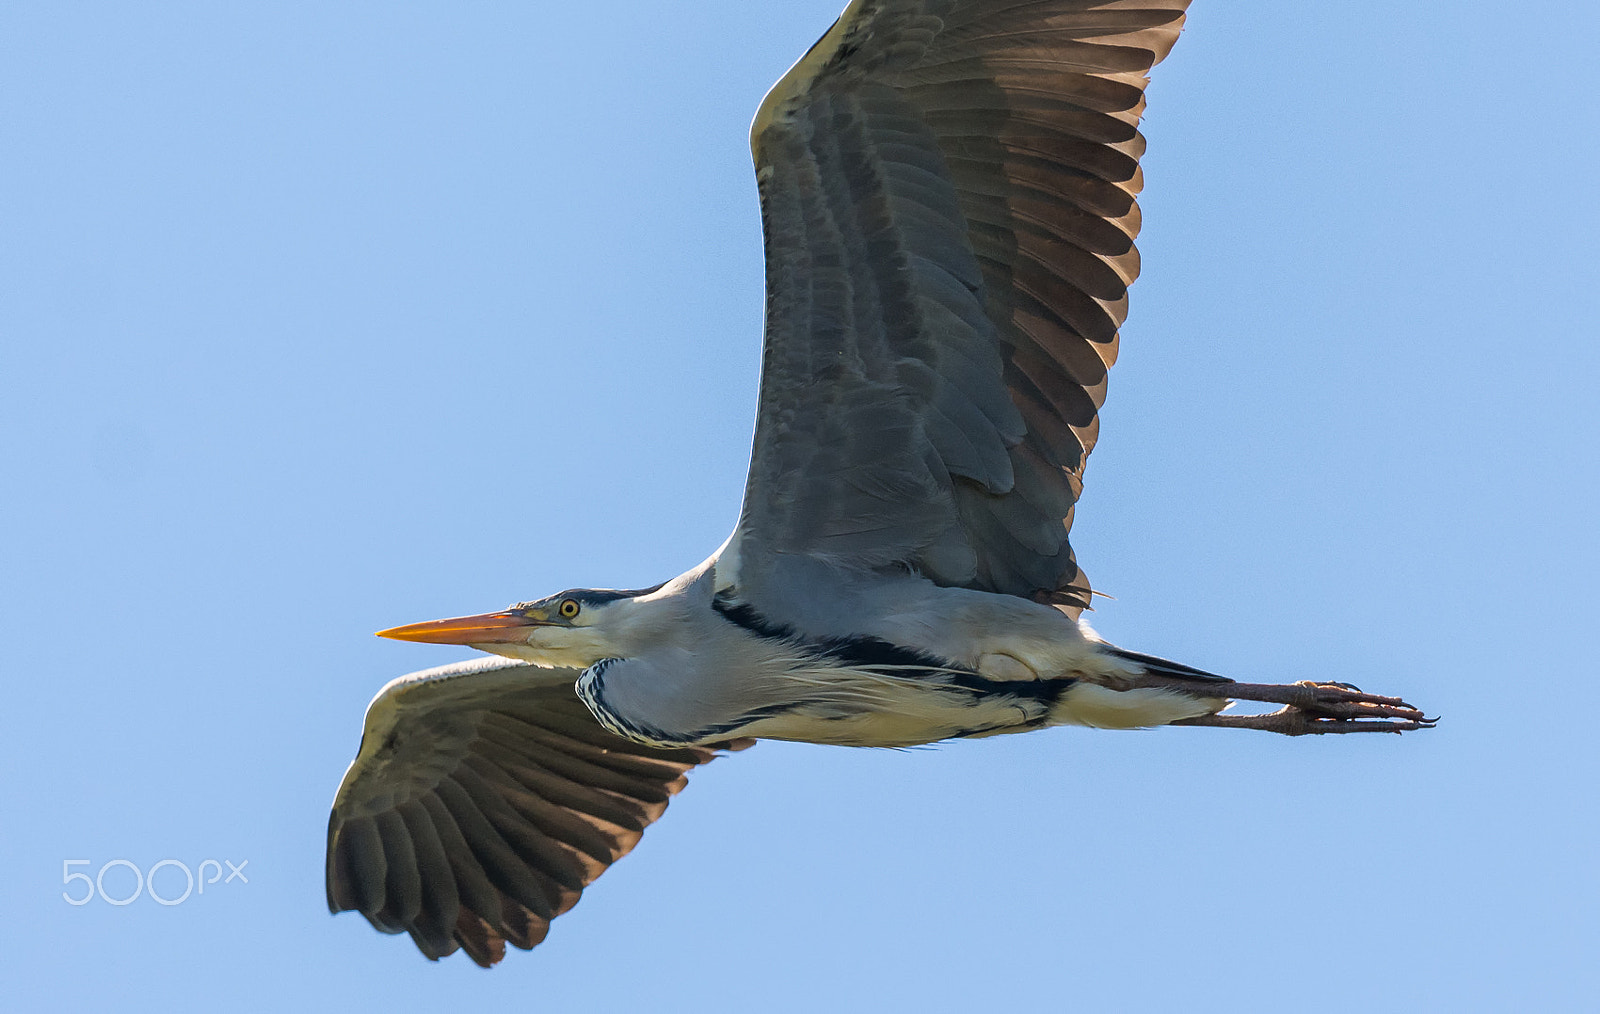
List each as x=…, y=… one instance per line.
x=1164, y=667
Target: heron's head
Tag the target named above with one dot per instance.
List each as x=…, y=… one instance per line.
x=574, y=628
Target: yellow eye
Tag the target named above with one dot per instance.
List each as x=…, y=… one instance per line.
x=568, y=608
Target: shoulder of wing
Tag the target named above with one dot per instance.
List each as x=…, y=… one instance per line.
x=827, y=51
x=426, y=700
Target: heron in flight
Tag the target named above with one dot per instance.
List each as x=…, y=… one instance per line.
x=947, y=192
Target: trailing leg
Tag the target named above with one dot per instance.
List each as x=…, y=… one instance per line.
x=1309, y=708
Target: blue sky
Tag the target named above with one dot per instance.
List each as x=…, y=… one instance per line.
x=320, y=318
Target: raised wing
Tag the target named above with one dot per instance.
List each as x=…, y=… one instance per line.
x=483, y=800
x=947, y=191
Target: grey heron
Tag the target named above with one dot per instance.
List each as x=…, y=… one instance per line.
x=947, y=190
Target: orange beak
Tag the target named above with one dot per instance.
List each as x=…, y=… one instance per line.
x=509, y=627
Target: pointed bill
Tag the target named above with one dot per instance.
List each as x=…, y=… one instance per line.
x=508, y=627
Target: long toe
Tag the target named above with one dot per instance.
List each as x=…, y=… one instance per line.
x=1340, y=701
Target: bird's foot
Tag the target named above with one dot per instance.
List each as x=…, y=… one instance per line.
x=1317, y=708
